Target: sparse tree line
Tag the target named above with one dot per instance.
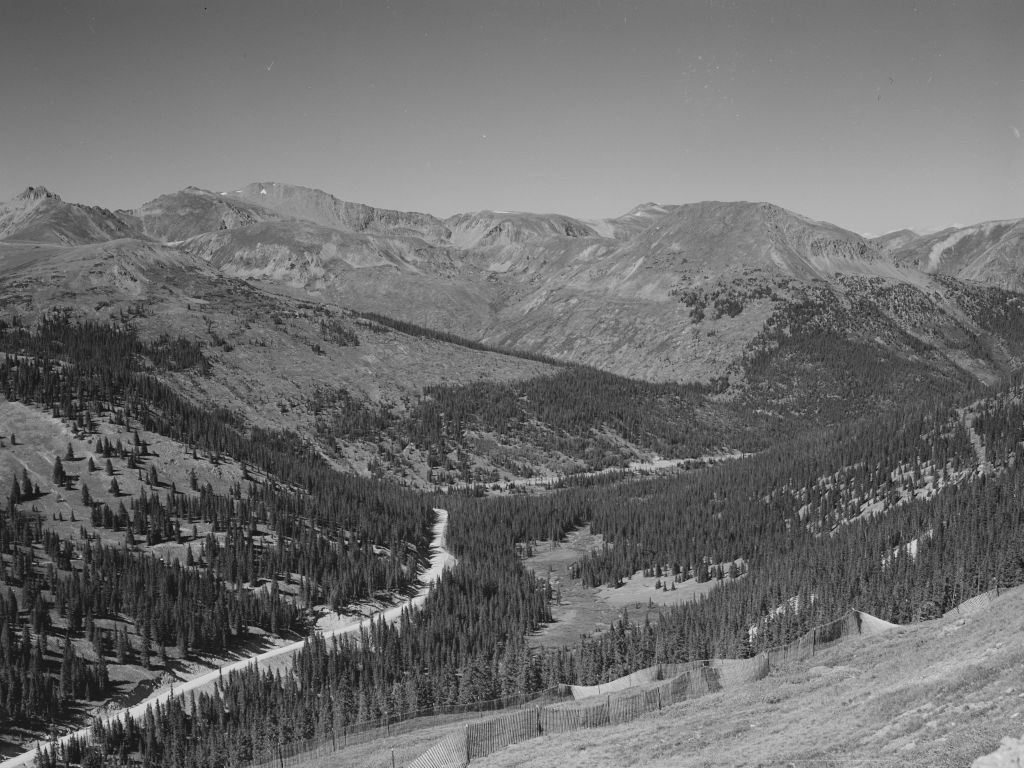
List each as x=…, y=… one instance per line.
x=465, y=645
x=999, y=423
x=746, y=508
x=827, y=361
x=339, y=538
x=468, y=642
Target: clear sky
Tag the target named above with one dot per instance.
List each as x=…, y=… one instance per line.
x=871, y=115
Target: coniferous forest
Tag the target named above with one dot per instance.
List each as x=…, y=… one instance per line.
x=895, y=514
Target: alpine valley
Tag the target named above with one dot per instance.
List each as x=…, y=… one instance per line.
x=229, y=419
x=730, y=323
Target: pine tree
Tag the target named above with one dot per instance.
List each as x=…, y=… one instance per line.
x=144, y=638
x=121, y=649
x=67, y=668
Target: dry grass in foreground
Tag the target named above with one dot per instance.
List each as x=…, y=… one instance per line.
x=935, y=694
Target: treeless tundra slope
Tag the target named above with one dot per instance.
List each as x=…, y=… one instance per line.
x=939, y=693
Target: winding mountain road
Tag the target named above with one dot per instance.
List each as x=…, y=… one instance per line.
x=440, y=559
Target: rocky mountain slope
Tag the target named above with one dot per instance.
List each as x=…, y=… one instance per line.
x=276, y=361
x=989, y=253
x=773, y=313
x=312, y=205
x=665, y=293
x=193, y=211
x=40, y=216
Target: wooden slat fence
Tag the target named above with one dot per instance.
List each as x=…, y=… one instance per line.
x=975, y=604
x=497, y=733
x=450, y=752
x=594, y=706
x=619, y=702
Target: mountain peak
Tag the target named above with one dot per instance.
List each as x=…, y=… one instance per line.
x=647, y=209
x=38, y=215
x=38, y=193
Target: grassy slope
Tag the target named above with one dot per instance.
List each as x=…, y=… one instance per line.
x=939, y=693
x=269, y=356
x=936, y=694
x=39, y=438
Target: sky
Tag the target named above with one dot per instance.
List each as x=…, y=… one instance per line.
x=871, y=115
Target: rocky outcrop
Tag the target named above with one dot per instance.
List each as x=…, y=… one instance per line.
x=312, y=205
x=991, y=252
x=38, y=215
x=192, y=211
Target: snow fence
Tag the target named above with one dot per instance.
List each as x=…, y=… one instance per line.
x=295, y=754
x=975, y=604
x=592, y=706
x=637, y=694
x=648, y=691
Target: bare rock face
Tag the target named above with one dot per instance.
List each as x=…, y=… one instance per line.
x=192, y=211
x=38, y=215
x=312, y=205
x=32, y=194
x=891, y=241
x=991, y=253
x=488, y=229
x=663, y=292
x=1009, y=755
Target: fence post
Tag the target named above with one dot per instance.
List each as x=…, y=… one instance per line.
x=659, y=697
x=540, y=731
x=467, y=744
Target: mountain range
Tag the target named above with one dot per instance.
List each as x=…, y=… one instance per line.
x=758, y=303
x=835, y=422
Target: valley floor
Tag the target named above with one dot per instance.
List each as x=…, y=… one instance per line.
x=582, y=610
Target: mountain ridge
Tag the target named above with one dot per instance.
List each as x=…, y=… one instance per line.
x=663, y=292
